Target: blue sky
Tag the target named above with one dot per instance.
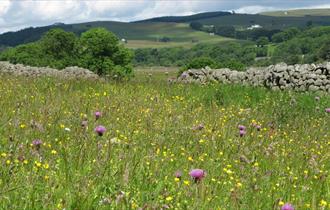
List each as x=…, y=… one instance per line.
x=18, y=14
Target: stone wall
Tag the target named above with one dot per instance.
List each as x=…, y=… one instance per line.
x=277, y=77
x=69, y=72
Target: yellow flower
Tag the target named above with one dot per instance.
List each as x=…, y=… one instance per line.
x=22, y=126
x=8, y=162
x=281, y=203
x=46, y=166
x=186, y=182
x=176, y=179
x=169, y=198
x=53, y=152
x=323, y=203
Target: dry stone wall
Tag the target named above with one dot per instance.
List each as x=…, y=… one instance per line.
x=299, y=77
x=69, y=72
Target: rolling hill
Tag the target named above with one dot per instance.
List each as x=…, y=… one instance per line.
x=298, y=13
x=150, y=32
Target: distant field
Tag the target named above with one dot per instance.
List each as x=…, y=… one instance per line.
x=298, y=13
x=146, y=35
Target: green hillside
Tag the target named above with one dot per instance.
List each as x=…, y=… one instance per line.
x=298, y=13
x=138, y=35
x=152, y=33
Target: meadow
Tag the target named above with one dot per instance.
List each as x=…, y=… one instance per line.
x=258, y=149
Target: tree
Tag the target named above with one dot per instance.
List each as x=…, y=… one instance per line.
x=101, y=52
x=58, y=43
x=262, y=41
x=60, y=47
x=227, y=31
x=196, y=26
x=324, y=52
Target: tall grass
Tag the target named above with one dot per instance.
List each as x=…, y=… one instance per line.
x=155, y=129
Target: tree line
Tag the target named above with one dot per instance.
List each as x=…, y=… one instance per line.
x=97, y=49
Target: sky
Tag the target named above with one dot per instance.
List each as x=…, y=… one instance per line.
x=19, y=14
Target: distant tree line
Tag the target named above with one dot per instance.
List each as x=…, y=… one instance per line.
x=97, y=49
x=292, y=46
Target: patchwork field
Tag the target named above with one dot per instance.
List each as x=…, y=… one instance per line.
x=258, y=149
x=299, y=13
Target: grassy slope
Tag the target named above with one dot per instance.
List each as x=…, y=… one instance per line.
x=269, y=22
x=149, y=138
x=147, y=34
x=298, y=13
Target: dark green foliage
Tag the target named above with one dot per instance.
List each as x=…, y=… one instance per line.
x=196, y=26
x=262, y=41
x=307, y=46
x=227, y=31
x=285, y=35
x=231, y=54
x=324, y=52
x=97, y=49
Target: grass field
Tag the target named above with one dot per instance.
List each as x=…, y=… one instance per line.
x=299, y=13
x=156, y=133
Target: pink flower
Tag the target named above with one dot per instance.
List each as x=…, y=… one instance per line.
x=97, y=115
x=178, y=174
x=258, y=127
x=242, y=133
x=287, y=206
x=100, y=130
x=327, y=110
x=241, y=127
x=197, y=174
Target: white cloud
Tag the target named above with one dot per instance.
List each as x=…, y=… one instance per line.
x=4, y=6
x=254, y=9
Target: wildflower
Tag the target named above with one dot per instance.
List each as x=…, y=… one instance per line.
x=242, y=133
x=287, y=206
x=327, y=110
x=258, y=127
x=197, y=174
x=100, y=130
x=37, y=143
x=169, y=198
x=241, y=127
x=198, y=127
x=97, y=115
x=84, y=124
x=323, y=203
x=178, y=174
x=317, y=98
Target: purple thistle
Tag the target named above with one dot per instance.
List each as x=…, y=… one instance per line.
x=242, y=133
x=97, y=115
x=258, y=127
x=241, y=127
x=100, y=130
x=197, y=174
x=178, y=174
x=327, y=110
x=287, y=206
x=37, y=143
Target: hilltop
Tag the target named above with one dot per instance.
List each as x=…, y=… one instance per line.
x=172, y=31
x=298, y=13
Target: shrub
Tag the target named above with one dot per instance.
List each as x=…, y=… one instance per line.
x=101, y=52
